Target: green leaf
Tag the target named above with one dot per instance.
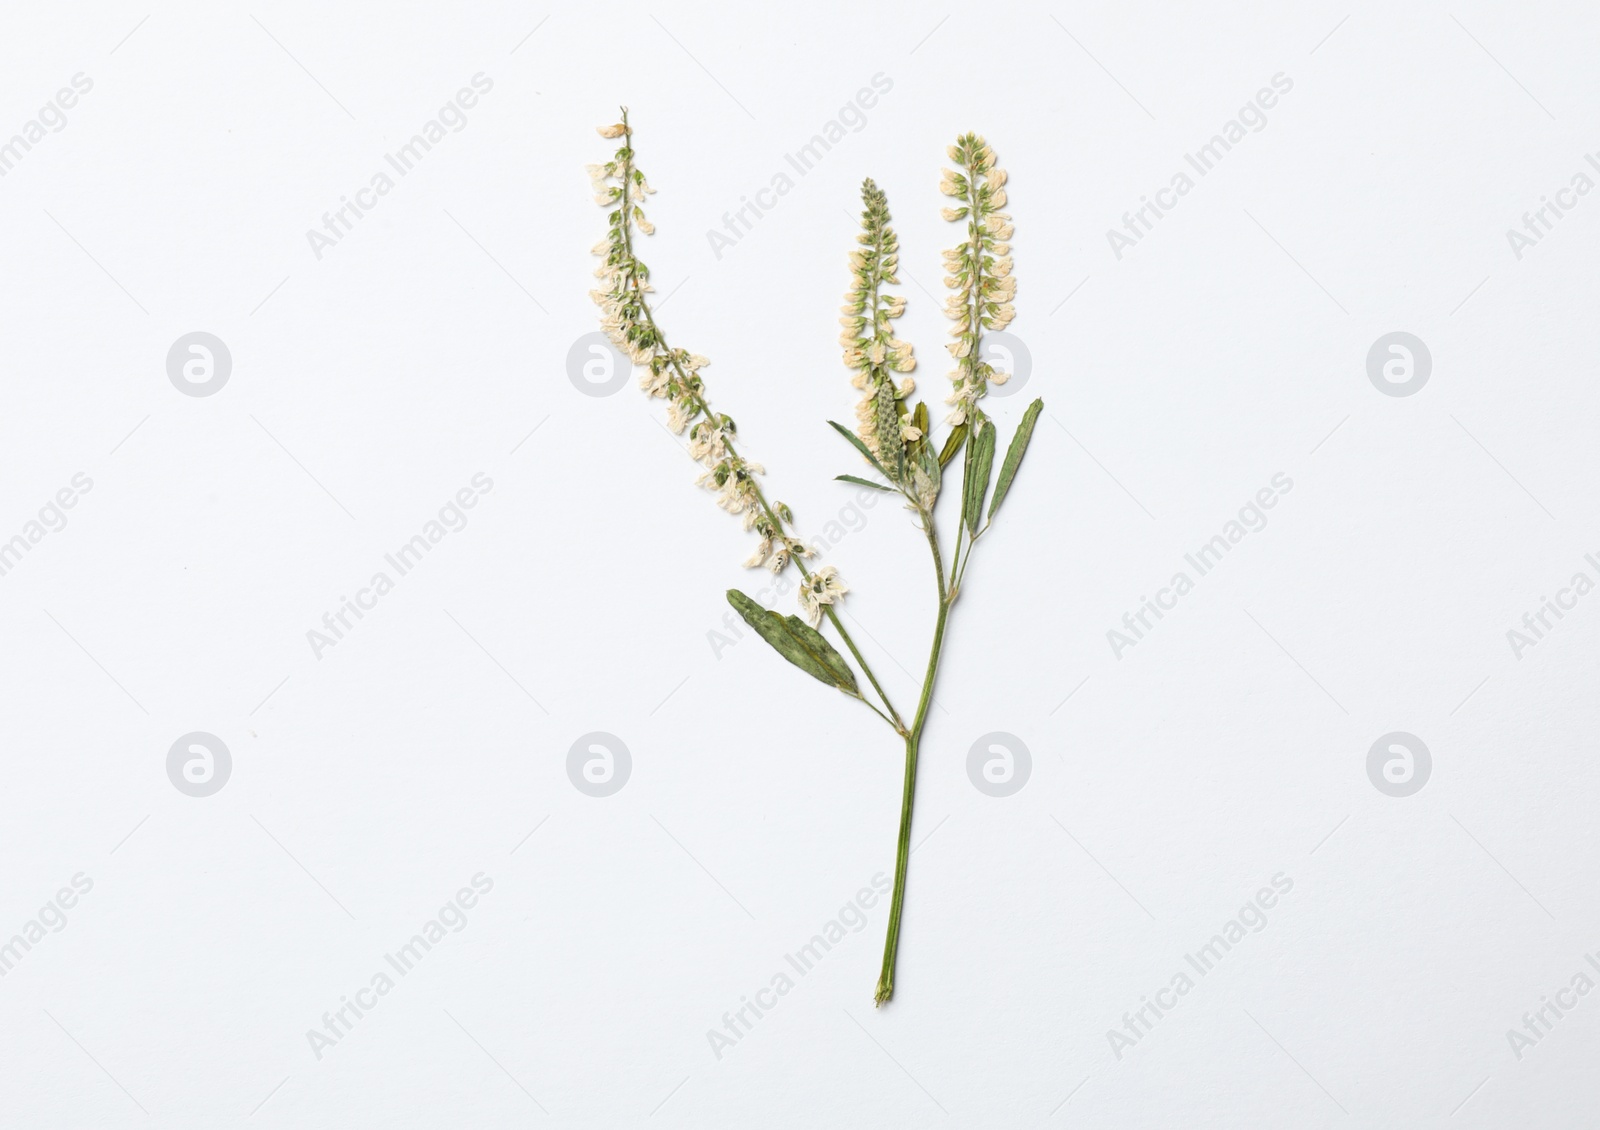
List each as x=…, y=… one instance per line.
x=866, y=453
x=817, y=644
x=980, y=461
x=953, y=444
x=860, y=482
x=1014, y=454
x=798, y=642
x=926, y=477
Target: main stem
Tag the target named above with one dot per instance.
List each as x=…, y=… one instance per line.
x=891, y=944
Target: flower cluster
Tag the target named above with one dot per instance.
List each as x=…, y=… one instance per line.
x=978, y=271
x=870, y=346
x=674, y=374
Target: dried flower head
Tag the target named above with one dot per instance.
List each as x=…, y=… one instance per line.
x=870, y=345
x=674, y=374
x=978, y=271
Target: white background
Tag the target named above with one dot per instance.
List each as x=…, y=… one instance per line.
x=367, y=387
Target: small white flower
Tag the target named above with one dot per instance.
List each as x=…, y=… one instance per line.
x=731, y=499
x=760, y=555
x=616, y=130
x=706, y=446
x=654, y=383
x=822, y=587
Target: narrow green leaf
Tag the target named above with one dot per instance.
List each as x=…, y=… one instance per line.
x=926, y=476
x=860, y=482
x=1014, y=454
x=817, y=644
x=952, y=444
x=866, y=453
x=980, y=461
x=797, y=642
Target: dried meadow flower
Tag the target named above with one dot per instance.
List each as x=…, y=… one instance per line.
x=892, y=435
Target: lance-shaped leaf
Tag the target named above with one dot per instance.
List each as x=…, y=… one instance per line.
x=866, y=453
x=860, y=482
x=798, y=642
x=925, y=475
x=1014, y=454
x=952, y=443
x=980, y=461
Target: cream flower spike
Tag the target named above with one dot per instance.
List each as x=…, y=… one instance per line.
x=673, y=374
x=979, y=270
x=871, y=348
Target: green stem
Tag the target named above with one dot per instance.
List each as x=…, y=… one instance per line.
x=955, y=560
x=961, y=575
x=891, y=945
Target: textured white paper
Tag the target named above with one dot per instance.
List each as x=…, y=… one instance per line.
x=417, y=366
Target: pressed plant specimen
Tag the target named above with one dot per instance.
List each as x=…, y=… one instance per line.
x=892, y=434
